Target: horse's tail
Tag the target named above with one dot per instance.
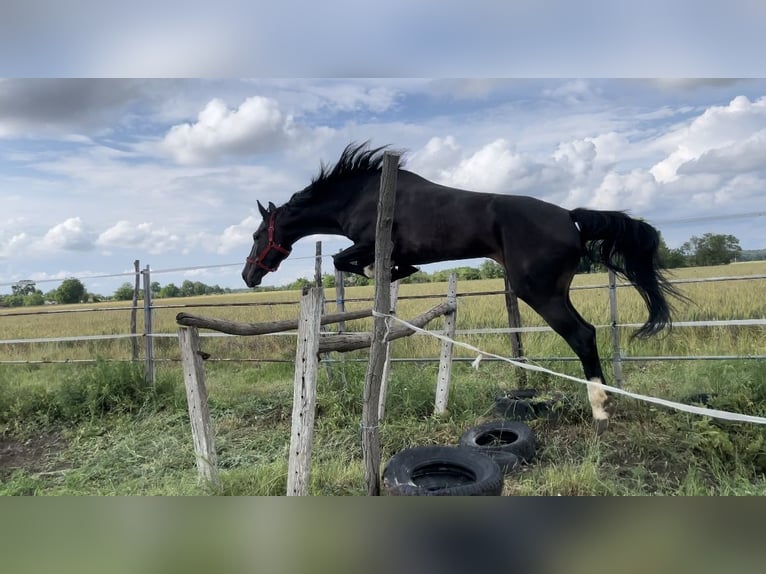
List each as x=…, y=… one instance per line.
x=629, y=247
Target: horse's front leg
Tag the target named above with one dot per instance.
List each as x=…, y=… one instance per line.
x=356, y=259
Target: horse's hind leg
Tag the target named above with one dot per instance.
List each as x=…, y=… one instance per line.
x=558, y=312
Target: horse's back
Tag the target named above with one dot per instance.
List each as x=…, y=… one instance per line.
x=435, y=222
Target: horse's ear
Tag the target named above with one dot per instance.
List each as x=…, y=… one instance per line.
x=272, y=207
x=263, y=211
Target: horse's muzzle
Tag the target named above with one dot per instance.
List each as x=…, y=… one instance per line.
x=251, y=276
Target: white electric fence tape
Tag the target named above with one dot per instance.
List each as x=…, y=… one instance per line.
x=715, y=413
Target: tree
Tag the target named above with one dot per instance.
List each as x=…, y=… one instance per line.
x=300, y=283
x=124, y=292
x=328, y=280
x=71, y=291
x=23, y=287
x=417, y=277
x=466, y=273
x=711, y=249
x=34, y=299
x=187, y=288
x=490, y=269
x=170, y=290
x=670, y=258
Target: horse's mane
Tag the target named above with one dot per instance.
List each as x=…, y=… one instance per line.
x=355, y=159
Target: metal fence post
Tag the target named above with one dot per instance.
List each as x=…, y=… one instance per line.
x=134, y=311
x=148, y=340
x=616, y=352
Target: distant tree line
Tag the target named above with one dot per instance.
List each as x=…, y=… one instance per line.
x=709, y=249
x=26, y=294
x=187, y=289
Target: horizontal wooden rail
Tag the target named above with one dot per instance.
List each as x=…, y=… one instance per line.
x=235, y=328
x=353, y=341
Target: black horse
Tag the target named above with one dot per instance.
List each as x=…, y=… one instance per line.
x=539, y=244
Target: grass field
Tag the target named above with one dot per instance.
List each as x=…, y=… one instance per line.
x=75, y=429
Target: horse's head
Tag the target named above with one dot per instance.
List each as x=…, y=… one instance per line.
x=267, y=252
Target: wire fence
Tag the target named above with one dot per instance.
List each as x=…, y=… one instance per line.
x=148, y=335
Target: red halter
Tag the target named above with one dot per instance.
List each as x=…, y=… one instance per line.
x=269, y=246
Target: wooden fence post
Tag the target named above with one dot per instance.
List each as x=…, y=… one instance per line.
x=340, y=297
x=318, y=264
x=304, y=393
x=148, y=340
x=199, y=412
x=383, y=248
x=445, y=359
x=384, y=380
x=616, y=352
x=134, y=312
x=514, y=322
x=320, y=286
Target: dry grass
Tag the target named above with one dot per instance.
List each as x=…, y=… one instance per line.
x=742, y=299
x=113, y=436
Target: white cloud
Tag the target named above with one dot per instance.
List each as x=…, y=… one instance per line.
x=625, y=191
x=718, y=134
x=239, y=236
x=576, y=156
x=14, y=244
x=257, y=124
x=742, y=156
x=70, y=235
x=125, y=235
x=495, y=167
x=436, y=158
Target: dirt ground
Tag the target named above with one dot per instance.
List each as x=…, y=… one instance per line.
x=35, y=454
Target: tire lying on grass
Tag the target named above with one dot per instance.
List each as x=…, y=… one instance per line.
x=527, y=404
x=442, y=471
x=508, y=442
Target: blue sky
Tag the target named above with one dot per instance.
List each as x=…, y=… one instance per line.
x=97, y=173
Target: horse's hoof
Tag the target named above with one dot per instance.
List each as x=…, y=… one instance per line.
x=600, y=425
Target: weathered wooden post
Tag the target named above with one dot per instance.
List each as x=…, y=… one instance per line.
x=340, y=297
x=318, y=264
x=148, y=340
x=382, y=304
x=616, y=352
x=514, y=322
x=385, y=378
x=445, y=359
x=304, y=393
x=199, y=413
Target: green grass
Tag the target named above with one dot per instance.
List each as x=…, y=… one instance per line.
x=145, y=447
x=99, y=429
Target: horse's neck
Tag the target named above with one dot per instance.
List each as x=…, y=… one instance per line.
x=331, y=215
x=313, y=221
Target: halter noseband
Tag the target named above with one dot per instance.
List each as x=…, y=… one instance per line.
x=269, y=246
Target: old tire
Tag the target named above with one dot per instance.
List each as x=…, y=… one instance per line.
x=498, y=439
x=527, y=404
x=442, y=471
